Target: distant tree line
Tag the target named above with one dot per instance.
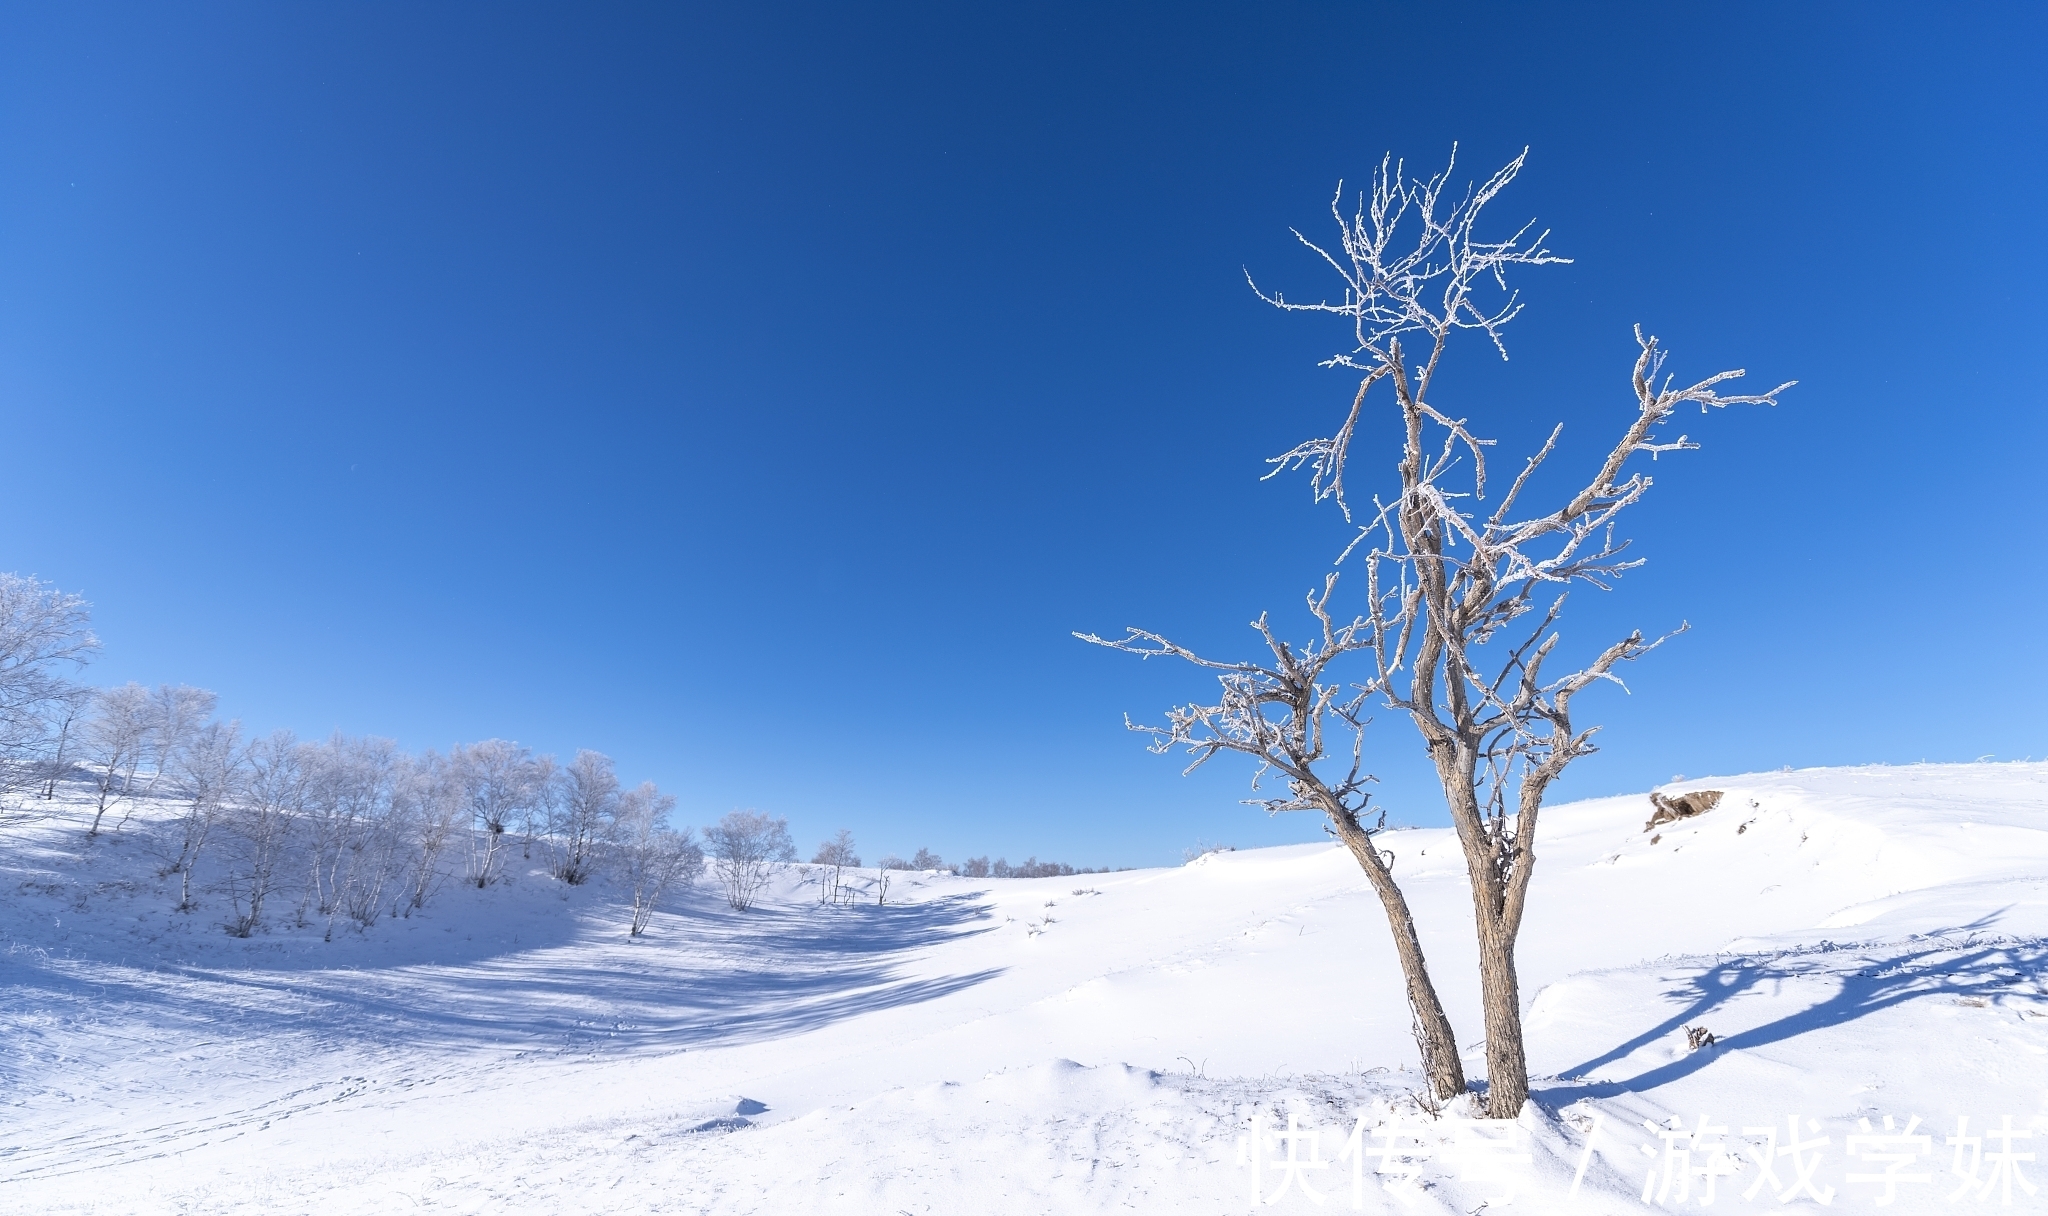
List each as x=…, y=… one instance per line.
x=839, y=855
x=1030, y=867
x=342, y=831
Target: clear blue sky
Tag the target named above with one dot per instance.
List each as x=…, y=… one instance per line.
x=762, y=393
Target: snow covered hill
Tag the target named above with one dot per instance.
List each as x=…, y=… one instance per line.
x=1864, y=944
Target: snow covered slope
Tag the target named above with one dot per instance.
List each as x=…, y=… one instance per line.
x=1864, y=943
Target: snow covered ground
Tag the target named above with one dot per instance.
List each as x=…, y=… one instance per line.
x=1865, y=943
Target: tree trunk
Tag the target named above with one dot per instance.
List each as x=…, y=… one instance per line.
x=101, y=813
x=1497, y=925
x=493, y=830
x=1433, y=1035
x=1500, y=995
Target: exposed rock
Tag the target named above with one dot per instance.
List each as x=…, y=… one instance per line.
x=1682, y=806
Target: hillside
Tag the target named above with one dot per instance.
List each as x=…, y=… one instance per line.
x=1863, y=943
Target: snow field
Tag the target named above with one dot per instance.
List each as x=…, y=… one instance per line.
x=1862, y=942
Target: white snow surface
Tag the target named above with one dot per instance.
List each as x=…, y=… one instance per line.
x=1863, y=942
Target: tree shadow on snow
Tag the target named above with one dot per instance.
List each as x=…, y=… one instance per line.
x=1868, y=979
x=703, y=977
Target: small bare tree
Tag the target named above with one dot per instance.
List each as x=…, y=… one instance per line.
x=500, y=779
x=582, y=801
x=174, y=715
x=745, y=846
x=211, y=772
x=837, y=856
x=353, y=835
x=1460, y=608
x=177, y=712
x=116, y=737
x=66, y=708
x=263, y=821
x=651, y=857
x=428, y=809
x=538, y=809
x=43, y=632
x=132, y=727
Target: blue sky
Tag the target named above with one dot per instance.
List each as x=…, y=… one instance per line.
x=762, y=393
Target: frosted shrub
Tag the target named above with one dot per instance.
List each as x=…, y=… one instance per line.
x=745, y=845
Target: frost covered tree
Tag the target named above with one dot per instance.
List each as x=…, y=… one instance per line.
x=536, y=811
x=44, y=633
x=651, y=858
x=114, y=739
x=1455, y=625
x=210, y=771
x=745, y=846
x=177, y=712
x=837, y=856
x=66, y=710
x=428, y=809
x=501, y=780
x=131, y=726
x=584, y=796
x=263, y=823
x=354, y=838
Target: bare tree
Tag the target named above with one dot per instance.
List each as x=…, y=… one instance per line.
x=582, y=801
x=745, y=845
x=500, y=780
x=1458, y=613
x=428, y=808
x=66, y=709
x=837, y=855
x=332, y=808
x=114, y=740
x=536, y=810
x=263, y=822
x=927, y=860
x=1282, y=715
x=211, y=771
x=177, y=712
x=353, y=832
x=378, y=848
x=651, y=857
x=173, y=715
x=130, y=726
x=43, y=632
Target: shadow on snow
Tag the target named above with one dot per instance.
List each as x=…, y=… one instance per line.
x=704, y=977
x=1868, y=980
